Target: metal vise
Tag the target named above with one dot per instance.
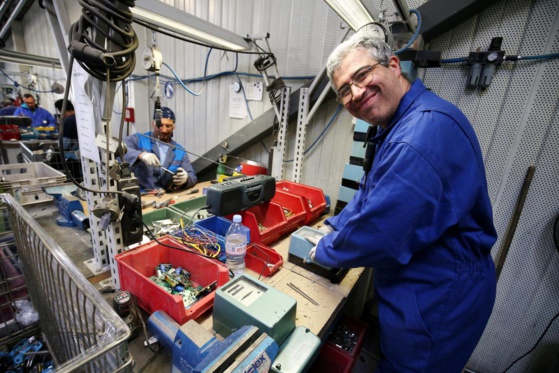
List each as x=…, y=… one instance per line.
x=69, y=206
x=196, y=350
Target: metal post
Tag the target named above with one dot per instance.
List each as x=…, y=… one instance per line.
x=299, y=150
x=279, y=151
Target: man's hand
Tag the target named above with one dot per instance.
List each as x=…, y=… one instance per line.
x=312, y=254
x=180, y=177
x=150, y=159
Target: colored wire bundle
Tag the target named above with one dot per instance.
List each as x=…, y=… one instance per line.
x=205, y=242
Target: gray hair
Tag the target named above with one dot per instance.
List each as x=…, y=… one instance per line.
x=363, y=39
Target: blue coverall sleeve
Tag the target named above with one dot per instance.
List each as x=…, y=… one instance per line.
x=49, y=118
x=133, y=151
x=403, y=213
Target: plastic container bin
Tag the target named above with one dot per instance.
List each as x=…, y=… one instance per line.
x=83, y=333
x=355, y=330
x=263, y=260
x=313, y=198
x=268, y=216
x=191, y=207
x=9, y=132
x=219, y=226
x=331, y=359
x=24, y=181
x=293, y=209
x=161, y=214
x=135, y=267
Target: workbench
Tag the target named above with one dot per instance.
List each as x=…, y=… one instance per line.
x=319, y=319
x=330, y=297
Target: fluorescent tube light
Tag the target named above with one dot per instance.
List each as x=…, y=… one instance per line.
x=356, y=13
x=172, y=19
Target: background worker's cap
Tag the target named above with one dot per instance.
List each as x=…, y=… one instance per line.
x=165, y=113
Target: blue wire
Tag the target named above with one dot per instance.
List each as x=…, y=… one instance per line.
x=16, y=84
x=454, y=60
x=540, y=57
x=415, y=34
x=180, y=81
x=340, y=106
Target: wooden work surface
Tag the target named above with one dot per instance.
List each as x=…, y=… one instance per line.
x=330, y=297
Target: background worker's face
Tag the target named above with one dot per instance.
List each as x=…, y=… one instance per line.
x=30, y=102
x=165, y=132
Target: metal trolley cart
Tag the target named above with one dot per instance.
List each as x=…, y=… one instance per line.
x=82, y=332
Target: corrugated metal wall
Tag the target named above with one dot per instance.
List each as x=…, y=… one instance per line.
x=515, y=118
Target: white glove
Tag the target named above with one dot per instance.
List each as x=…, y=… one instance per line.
x=326, y=229
x=150, y=159
x=180, y=177
x=312, y=253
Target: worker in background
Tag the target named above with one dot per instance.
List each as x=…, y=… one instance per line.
x=421, y=218
x=7, y=107
x=70, y=129
x=39, y=117
x=149, y=153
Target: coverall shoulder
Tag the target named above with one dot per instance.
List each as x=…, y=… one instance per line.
x=39, y=117
x=422, y=219
x=154, y=177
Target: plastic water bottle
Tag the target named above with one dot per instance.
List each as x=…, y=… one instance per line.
x=236, y=246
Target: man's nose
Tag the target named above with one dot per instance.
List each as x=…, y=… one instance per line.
x=357, y=92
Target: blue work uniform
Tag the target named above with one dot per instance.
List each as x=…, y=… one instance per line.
x=40, y=117
x=154, y=177
x=423, y=219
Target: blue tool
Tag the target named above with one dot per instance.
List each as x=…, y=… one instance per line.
x=196, y=350
x=69, y=206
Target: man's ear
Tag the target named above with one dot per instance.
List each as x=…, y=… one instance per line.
x=394, y=65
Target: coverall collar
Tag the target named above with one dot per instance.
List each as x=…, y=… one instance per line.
x=416, y=89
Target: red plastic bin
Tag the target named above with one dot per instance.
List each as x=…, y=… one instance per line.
x=136, y=266
x=313, y=198
x=270, y=215
x=9, y=132
x=296, y=210
x=259, y=256
x=353, y=325
x=331, y=360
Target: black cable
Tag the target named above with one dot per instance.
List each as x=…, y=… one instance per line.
x=535, y=345
x=103, y=38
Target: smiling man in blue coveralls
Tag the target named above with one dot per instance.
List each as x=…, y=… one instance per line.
x=421, y=217
x=148, y=152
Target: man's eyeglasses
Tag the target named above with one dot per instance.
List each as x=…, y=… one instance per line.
x=360, y=79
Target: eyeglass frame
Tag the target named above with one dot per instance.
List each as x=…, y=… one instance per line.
x=351, y=81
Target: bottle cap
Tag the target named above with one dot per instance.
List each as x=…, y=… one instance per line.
x=237, y=218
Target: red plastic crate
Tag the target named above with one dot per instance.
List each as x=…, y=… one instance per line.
x=270, y=215
x=332, y=360
x=136, y=266
x=313, y=198
x=352, y=325
x=297, y=212
x=9, y=132
x=259, y=256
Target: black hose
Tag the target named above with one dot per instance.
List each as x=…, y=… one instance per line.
x=103, y=39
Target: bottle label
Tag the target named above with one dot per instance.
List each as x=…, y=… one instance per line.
x=235, y=245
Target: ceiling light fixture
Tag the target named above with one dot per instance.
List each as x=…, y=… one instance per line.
x=172, y=19
x=356, y=13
